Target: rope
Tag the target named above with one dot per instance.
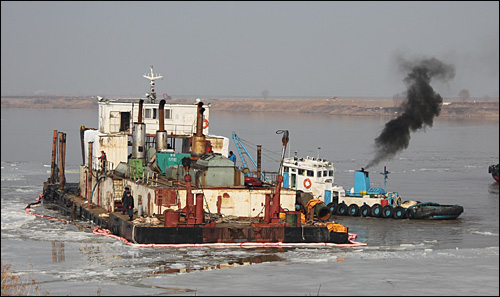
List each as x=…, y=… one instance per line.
x=263, y=149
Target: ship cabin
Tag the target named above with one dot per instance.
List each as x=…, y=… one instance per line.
x=313, y=175
x=147, y=145
x=117, y=119
x=117, y=116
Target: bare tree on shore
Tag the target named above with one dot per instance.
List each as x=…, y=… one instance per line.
x=464, y=95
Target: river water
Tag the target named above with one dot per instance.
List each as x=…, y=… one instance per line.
x=447, y=163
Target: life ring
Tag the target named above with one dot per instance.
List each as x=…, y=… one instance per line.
x=307, y=183
x=206, y=123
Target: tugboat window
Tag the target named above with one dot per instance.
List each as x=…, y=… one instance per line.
x=310, y=173
x=301, y=172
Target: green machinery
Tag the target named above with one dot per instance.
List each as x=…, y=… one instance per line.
x=166, y=160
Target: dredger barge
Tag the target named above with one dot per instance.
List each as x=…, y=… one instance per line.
x=187, y=193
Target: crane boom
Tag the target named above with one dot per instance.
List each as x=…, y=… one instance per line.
x=243, y=150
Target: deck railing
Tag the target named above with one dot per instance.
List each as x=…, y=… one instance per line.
x=143, y=176
x=135, y=172
x=104, y=167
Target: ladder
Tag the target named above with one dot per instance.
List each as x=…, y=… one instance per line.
x=117, y=194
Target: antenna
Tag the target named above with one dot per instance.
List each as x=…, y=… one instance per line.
x=152, y=77
x=385, y=173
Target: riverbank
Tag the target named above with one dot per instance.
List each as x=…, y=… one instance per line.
x=336, y=106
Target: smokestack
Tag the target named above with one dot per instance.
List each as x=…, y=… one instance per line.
x=422, y=104
x=161, y=114
x=199, y=119
x=161, y=134
x=199, y=145
x=139, y=118
x=139, y=136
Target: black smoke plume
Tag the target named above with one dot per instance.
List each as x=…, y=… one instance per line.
x=419, y=108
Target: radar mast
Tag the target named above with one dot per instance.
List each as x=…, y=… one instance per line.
x=152, y=77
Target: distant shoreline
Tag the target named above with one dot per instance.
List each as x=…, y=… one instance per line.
x=332, y=106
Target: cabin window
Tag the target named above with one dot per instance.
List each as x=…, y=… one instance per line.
x=301, y=172
x=168, y=114
x=124, y=121
x=330, y=172
x=310, y=173
x=325, y=173
x=285, y=169
x=150, y=113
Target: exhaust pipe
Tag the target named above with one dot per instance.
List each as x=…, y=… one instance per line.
x=199, y=145
x=139, y=118
x=139, y=136
x=161, y=134
x=161, y=112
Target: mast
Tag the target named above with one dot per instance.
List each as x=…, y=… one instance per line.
x=152, y=77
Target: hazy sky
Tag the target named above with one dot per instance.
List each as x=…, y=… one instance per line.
x=242, y=48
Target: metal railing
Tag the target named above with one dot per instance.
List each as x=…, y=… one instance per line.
x=143, y=176
x=139, y=174
x=105, y=167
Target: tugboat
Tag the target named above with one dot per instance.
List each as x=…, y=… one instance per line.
x=315, y=176
x=493, y=170
x=184, y=194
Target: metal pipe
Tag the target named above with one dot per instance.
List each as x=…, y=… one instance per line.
x=320, y=209
x=61, y=163
x=199, y=214
x=198, y=145
x=139, y=117
x=190, y=207
x=267, y=209
x=63, y=166
x=82, y=141
x=139, y=141
x=284, y=140
x=199, y=119
x=161, y=112
x=89, y=176
x=259, y=160
x=161, y=134
x=53, y=164
x=276, y=201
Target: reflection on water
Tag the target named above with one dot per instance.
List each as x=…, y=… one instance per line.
x=246, y=261
x=494, y=189
x=57, y=251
